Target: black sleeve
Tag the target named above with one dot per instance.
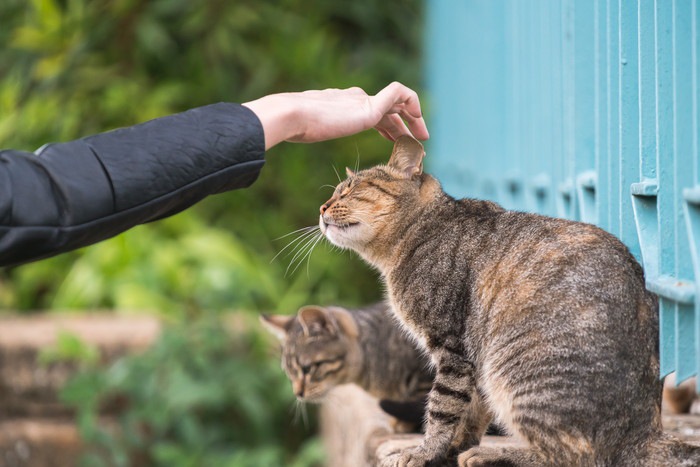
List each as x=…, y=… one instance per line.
x=73, y=194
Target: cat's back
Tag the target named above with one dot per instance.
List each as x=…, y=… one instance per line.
x=563, y=257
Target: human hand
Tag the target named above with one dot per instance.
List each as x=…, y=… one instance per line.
x=311, y=116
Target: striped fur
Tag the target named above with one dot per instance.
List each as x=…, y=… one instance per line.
x=543, y=323
x=369, y=348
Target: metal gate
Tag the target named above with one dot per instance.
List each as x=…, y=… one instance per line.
x=582, y=109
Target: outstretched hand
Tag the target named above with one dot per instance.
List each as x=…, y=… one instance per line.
x=312, y=116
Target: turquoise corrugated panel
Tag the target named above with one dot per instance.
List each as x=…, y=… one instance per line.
x=583, y=109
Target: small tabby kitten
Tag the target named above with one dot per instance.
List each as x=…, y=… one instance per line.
x=540, y=322
x=323, y=347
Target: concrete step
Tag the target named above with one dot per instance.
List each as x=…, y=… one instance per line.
x=36, y=430
x=39, y=443
x=28, y=387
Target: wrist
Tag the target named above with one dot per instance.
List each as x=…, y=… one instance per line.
x=277, y=114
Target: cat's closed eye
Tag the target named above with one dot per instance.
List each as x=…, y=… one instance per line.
x=328, y=367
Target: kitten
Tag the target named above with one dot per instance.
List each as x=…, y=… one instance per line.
x=323, y=347
x=541, y=322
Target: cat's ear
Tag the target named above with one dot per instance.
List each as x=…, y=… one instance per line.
x=278, y=325
x=349, y=172
x=407, y=156
x=346, y=322
x=313, y=318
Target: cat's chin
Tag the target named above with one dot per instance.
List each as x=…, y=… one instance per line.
x=339, y=235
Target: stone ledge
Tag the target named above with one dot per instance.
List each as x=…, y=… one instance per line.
x=36, y=430
x=29, y=388
x=37, y=442
x=357, y=433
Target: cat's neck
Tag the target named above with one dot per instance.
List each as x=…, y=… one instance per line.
x=381, y=253
x=429, y=223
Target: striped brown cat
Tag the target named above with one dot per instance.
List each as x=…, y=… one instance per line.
x=323, y=347
x=542, y=323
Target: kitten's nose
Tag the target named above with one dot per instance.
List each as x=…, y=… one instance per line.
x=325, y=206
x=298, y=388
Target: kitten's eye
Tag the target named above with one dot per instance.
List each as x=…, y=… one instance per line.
x=329, y=366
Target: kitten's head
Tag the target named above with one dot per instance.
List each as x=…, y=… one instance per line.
x=320, y=349
x=368, y=207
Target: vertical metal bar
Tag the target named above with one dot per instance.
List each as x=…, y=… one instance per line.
x=584, y=132
x=664, y=154
x=601, y=115
x=539, y=182
x=511, y=118
x=645, y=191
x=629, y=121
x=613, y=69
x=694, y=234
x=558, y=151
x=567, y=199
x=686, y=345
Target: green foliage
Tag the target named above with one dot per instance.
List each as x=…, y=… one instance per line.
x=69, y=68
x=69, y=347
x=200, y=396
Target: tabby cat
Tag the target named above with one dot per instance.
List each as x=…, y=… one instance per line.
x=323, y=347
x=540, y=322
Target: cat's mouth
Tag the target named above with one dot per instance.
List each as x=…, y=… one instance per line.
x=327, y=224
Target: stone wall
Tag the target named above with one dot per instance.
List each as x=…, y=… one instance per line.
x=35, y=428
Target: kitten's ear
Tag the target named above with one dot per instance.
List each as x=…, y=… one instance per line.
x=313, y=318
x=407, y=156
x=278, y=325
x=349, y=172
x=346, y=322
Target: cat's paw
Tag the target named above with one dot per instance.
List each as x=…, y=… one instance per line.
x=415, y=457
x=481, y=456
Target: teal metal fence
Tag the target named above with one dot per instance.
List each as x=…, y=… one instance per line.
x=582, y=109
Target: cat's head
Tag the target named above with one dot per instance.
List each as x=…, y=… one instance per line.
x=370, y=206
x=320, y=349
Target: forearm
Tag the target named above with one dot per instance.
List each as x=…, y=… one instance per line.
x=77, y=193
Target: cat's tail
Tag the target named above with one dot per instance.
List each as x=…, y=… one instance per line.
x=666, y=451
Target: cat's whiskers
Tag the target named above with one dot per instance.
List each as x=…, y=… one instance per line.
x=304, y=250
x=301, y=413
x=309, y=227
x=357, y=161
x=336, y=173
x=308, y=255
x=308, y=232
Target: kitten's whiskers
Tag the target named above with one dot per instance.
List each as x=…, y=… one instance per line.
x=300, y=413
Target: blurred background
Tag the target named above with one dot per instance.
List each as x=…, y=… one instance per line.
x=205, y=393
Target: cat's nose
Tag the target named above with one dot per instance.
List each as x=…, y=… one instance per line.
x=325, y=206
x=298, y=388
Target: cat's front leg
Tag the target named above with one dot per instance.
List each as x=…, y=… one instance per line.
x=453, y=403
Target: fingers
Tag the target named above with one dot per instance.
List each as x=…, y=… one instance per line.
x=391, y=126
x=397, y=93
x=416, y=125
x=398, y=100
